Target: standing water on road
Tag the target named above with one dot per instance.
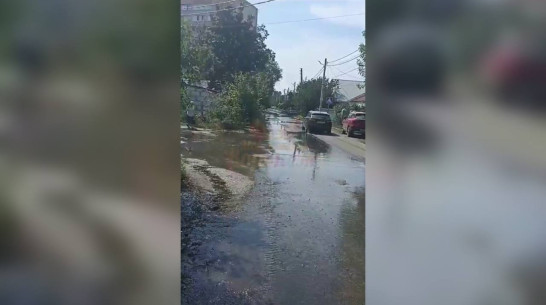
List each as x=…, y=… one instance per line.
x=296, y=236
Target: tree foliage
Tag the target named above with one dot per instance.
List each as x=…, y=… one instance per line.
x=337, y=117
x=361, y=61
x=233, y=58
x=243, y=101
x=238, y=47
x=307, y=95
x=194, y=56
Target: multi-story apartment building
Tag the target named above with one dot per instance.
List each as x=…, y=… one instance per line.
x=201, y=12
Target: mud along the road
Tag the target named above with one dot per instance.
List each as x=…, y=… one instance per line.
x=295, y=237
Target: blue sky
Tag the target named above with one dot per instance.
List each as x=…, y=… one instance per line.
x=302, y=44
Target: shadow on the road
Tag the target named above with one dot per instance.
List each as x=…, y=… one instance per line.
x=314, y=144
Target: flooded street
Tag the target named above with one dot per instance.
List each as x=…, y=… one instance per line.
x=297, y=237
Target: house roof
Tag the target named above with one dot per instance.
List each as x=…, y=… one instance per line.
x=349, y=89
x=359, y=98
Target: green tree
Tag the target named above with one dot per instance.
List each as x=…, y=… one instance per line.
x=361, y=61
x=307, y=95
x=195, y=54
x=238, y=47
x=243, y=101
x=232, y=56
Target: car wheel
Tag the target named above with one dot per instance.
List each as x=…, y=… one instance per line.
x=342, y=130
x=349, y=133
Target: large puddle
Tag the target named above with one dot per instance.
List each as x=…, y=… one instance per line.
x=299, y=237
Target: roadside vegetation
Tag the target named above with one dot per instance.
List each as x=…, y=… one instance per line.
x=243, y=101
x=337, y=118
x=231, y=58
x=307, y=95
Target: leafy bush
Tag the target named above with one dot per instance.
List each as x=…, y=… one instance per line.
x=337, y=119
x=243, y=101
x=307, y=95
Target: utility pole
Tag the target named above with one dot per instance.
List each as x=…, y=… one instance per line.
x=301, y=75
x=322, y=86
x=294, y=86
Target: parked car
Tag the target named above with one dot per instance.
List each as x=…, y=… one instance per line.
x=318, y=121
x=355, y=124
x=517, y=70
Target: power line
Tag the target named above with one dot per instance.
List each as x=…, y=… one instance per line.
x=344, y=73
x=318, y=73
x=312, y=19
x=342, y=63
x=345, y=56
x=228, y=9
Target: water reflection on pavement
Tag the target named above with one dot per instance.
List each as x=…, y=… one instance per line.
x=297, y=238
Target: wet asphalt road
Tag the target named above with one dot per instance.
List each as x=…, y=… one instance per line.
x=297, y=238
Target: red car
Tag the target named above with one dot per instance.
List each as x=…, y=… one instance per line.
x=354, y=124
x=517, y=69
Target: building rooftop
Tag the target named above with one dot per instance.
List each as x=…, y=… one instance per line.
x=349, y=89
x=359, y=98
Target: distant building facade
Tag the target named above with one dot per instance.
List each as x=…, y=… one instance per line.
x=348, y=90
x=359, y=100
x=202, y=12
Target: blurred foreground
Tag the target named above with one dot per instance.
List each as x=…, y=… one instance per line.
x=89, y=165
x=455, y=210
